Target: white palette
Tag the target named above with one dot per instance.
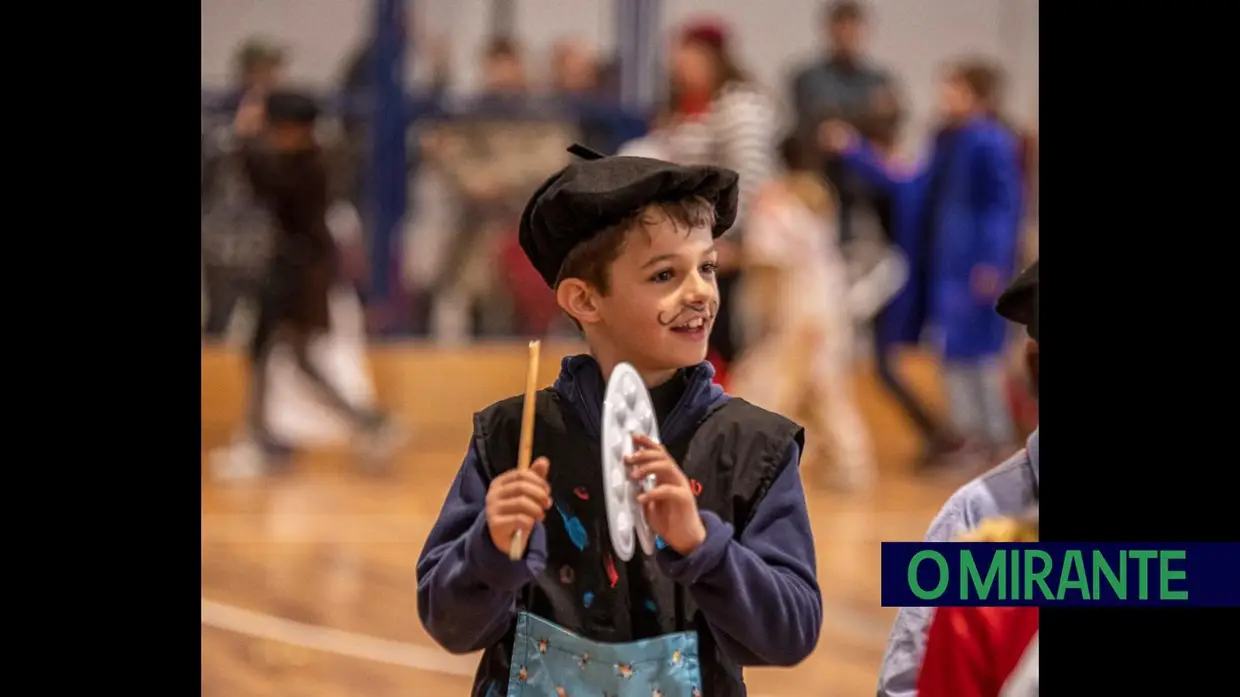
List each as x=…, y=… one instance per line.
x=627, y=410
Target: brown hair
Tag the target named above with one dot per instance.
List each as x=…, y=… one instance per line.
x=983, y=79
x=844, y=11
x=590, y=260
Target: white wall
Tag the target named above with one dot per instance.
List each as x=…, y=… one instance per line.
x=912, y=37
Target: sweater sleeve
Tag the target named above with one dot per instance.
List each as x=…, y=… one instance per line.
x=467, y=588
x=760, y=592
x=747, y=123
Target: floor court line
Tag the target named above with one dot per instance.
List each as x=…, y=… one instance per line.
x=399, y=653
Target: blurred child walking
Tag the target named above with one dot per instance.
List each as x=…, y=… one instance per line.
x=794, y=303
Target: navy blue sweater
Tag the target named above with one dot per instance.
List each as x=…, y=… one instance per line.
x=759, y=592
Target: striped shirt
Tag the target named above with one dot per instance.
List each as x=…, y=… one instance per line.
x=739, y=131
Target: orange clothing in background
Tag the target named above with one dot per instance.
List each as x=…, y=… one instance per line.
x=971, y=651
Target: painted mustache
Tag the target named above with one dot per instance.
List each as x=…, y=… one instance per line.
x=705, y=310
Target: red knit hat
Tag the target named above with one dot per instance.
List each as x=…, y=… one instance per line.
x=713, y=33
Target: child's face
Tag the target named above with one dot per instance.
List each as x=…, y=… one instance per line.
x=956, y=100
x=662, y=299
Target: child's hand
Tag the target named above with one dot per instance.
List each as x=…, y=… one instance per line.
x=671, y=509
x=516, y=500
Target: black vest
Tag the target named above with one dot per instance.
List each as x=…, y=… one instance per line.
x=731, y=456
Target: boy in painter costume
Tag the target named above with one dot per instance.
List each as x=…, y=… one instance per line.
x=628, y=245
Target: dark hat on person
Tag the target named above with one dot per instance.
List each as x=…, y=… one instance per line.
x=285, y=106
x=597, y=192
x=1019, y=303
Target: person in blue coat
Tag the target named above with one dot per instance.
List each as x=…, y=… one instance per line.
x=957, y=219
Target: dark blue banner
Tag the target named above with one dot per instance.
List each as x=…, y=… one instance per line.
x=1084, y=574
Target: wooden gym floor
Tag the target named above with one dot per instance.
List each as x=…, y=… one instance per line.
x=308, y=579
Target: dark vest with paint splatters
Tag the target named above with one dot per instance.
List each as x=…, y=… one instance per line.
x=731, y=457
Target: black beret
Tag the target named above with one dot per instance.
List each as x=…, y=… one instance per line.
x=291, y=107
x=1019, y=303
x=595, y=193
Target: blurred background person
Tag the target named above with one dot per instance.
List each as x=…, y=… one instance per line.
x=492, y=157
x=504, y=75
x=717, y=115
x=842, y=84
x=793, y=302
x=845, y=84
x=873, y=251
x=236, y=229
x=287, y=173
x=959, y=226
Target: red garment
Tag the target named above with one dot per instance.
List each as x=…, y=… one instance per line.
x=1023, y=406
x=721, y=368
x=533, y=302
x=971, y=651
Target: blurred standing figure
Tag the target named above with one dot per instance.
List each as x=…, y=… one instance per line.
x=958, y=224
x=872, y=220
x=235, y=229
x=799, y=360
x=840, y=85
x=259, y=65
x=288, y=175
x=718, y=116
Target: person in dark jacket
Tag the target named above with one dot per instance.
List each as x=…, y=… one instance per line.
x=627, y=244
x=277, y=146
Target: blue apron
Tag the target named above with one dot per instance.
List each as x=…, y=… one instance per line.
x=550, y=661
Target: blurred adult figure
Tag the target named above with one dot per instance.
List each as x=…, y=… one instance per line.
x=841, y=84
x=717, y=115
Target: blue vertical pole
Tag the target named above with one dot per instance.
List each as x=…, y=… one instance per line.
x=638, y=23
x=387, y=157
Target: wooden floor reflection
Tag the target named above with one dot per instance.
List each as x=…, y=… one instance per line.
x=308, y=579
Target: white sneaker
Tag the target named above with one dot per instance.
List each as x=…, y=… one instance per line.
x=377, y=448
x=239, y=461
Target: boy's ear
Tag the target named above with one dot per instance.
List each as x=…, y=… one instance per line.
x=578, y=299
